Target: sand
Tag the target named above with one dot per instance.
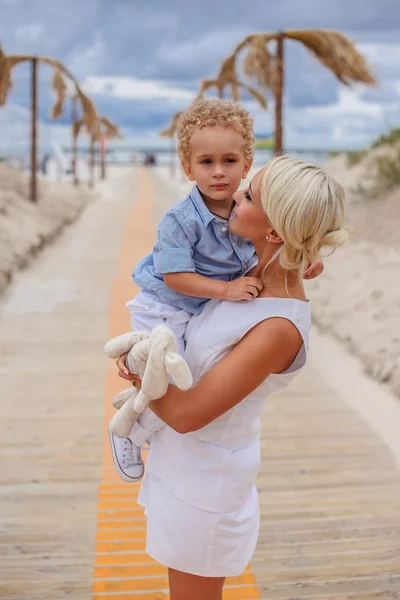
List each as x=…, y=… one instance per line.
x=357, y=299
x=25, y=228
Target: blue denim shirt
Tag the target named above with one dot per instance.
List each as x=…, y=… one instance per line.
x=191, y=239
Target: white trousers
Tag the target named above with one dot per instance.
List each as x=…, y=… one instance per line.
x=146, y=313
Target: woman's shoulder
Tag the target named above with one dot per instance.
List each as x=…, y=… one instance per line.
x=227, y=322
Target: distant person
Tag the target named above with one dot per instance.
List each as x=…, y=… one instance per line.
x=44, y=163
x=196, y=256
x=149, y=159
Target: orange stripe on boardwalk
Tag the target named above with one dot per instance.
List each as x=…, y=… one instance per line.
x=122, y=564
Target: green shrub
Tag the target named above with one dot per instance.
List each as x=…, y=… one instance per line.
x=354, y=157
x=391, y=137
x=388, y=169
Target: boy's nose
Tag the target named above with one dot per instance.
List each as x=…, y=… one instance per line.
x=219, y=172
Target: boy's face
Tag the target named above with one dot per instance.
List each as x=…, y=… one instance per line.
x=217, y=161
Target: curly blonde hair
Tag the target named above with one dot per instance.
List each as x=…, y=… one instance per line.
x=212, y=113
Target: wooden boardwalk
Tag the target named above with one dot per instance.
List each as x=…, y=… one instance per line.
x=329, y=488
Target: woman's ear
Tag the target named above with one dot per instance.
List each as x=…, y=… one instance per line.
x=187, y=169
x=247, y=167
x=273, y=237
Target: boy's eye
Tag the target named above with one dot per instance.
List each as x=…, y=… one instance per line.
x=231, y=160
x=206, y=161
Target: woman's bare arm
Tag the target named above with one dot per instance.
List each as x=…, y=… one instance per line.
x=270, y=347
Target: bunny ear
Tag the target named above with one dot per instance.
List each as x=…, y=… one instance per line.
x=179, y=370
x=155, y=378
x=123, y=343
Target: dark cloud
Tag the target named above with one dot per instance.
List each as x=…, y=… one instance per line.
x=382, y=96
x=179, y=42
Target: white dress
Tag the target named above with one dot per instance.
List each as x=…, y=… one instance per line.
x=199, y=488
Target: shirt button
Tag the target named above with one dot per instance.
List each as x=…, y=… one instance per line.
x=245, y=265
x=164, y=320
x=224, y=229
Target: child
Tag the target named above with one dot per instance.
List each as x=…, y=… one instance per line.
x=195, y=257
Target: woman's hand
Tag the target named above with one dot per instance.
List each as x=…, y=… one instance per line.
x=123, y=371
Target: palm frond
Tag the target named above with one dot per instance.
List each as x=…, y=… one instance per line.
x=110, y=130
x=5, y=77
x=257, y=95
x=76, y=128
x=227, y=76
x=89, y=113
x=260, y=64
x=173, y=126
x=60, y=88
x=336, y=52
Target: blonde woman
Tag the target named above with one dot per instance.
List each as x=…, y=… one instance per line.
x=199, y=489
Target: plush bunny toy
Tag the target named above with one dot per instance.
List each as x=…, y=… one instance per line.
x=153, y=357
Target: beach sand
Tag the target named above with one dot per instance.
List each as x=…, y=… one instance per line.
x=26, y=228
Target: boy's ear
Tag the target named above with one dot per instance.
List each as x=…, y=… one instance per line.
x=247, y=167
x=187, y=169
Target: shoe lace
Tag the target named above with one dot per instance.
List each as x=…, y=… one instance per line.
x=131, y=455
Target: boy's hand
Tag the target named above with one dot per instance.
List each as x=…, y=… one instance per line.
x=315, y=269
x=123, y=371
x=245, y=288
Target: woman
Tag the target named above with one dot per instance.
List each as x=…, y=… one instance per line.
x=199, y=489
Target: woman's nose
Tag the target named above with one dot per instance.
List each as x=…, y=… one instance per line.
x=237, y=197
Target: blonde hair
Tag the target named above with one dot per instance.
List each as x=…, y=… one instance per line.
x=305, y=206
x=212, y=113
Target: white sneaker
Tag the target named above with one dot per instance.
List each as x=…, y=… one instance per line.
x=127, y=458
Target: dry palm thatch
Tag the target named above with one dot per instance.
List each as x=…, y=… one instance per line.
x=6, y=65
x=103, y=126
x=260, y=64
x=5, y=77
x=89, y=113
x=110, y=130
x=173, y=126
x=225, y=78
x=76, y=128
x=60, y=88
x=333, y=49
x=336, y=52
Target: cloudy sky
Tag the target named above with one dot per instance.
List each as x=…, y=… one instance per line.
x=142, y=61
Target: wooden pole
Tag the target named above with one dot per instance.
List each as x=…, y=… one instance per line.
x=33, y=190
x=279, y=95
x=74, y=117
x=91, y=159
x=103, y=147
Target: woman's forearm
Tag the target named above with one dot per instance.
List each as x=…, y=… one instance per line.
x=233, y=378
x=173, y=408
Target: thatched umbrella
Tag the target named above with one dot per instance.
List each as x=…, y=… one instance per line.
x=89, y=113
x=102, y=129
x=226, y=78
x=333, y=49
